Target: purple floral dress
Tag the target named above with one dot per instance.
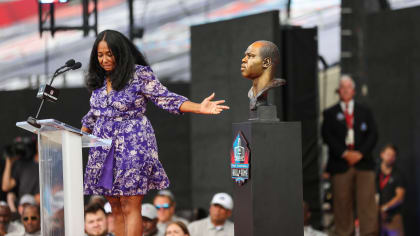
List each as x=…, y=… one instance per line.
x=130, y=166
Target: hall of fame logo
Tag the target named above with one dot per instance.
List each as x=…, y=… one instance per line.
x=239, y=158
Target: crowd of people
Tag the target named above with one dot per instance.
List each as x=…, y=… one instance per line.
x=159, y=218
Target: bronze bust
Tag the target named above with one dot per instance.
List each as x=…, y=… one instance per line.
x=259, y=65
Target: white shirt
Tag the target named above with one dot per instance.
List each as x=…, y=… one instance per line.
x=205, y=227
x=309, y=231
x=15, y=228
x=350, y=108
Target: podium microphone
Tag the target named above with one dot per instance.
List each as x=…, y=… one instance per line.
x=76, y=66
x=47, y=92
x=69, y=63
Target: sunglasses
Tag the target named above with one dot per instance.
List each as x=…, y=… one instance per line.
x=32, y=218
x=164, y=206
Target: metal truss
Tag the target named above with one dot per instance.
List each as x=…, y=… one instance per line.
x=49, y=14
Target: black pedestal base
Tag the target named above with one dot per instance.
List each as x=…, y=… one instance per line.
x=270, y=202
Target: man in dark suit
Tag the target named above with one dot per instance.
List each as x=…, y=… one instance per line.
x=350, y=132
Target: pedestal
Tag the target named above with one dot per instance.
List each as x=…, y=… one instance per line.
x=271, y=200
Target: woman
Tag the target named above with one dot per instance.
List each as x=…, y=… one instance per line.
x=122, y=82
x=177, y=228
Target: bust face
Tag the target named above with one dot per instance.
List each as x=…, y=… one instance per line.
x=252, y=63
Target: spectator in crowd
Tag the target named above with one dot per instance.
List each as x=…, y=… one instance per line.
x=95, y=221
x=26, y=200
x=149, y=216
x=21, y=168
x=307, y=228
x=31, y=219
x=217, y=223
x=165, y=204
x=6, y=226
x=391, y=193
x=177, y=228
x=349, y=130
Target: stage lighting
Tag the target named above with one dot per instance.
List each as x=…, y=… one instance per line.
x=53, y=1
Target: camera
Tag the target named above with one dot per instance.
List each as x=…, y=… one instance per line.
x=23, y=148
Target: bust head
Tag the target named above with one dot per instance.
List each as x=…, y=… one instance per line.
x=259, y=65
x=261, y=58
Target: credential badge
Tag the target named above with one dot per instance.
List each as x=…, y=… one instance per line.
x=340, y=116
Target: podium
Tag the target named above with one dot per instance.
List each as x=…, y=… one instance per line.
x=61, y=175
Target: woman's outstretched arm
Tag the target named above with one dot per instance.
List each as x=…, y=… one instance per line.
x=207, y=106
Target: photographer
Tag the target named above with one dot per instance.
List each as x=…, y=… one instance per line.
x=21, y=168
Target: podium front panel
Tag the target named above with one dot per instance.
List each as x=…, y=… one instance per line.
x=51, y=183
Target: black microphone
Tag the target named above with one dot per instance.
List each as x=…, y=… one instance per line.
x=73, y=66
x=69, y=63
x=76, y=66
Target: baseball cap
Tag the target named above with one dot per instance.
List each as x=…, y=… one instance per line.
x=149, y=210
x=107, y=208
x=224, y=200
x=27, y=199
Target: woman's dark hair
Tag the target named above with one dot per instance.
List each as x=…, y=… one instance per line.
x=181, y=225
x=126, y=57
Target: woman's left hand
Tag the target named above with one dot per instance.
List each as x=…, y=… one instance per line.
x=207, y=106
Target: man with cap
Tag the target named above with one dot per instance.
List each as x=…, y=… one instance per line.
x=150, y=220
x=165, y=204
x=217, y=224
x=24, y=201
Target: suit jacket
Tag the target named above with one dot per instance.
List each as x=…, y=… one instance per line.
x=334, y=131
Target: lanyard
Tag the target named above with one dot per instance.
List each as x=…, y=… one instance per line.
x=383, y=181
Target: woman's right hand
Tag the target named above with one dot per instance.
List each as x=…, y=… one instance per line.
x=86, y=130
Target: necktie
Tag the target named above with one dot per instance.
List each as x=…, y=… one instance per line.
x=349, y=123
x=349, y=117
